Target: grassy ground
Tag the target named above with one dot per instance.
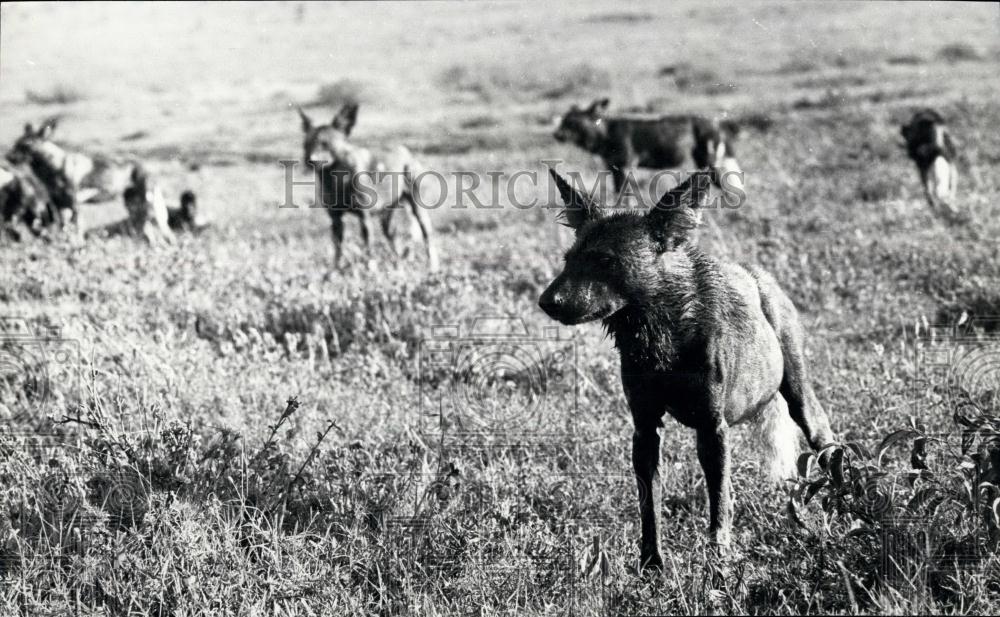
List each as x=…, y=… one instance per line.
x=184, y=482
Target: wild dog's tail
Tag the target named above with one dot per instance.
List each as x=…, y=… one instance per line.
x=778, y=436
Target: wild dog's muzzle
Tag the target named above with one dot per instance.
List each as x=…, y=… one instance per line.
x=570, y=305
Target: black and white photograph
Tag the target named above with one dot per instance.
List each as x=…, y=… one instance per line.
x=499, y=308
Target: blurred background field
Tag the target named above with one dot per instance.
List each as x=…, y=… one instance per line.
x=181, y=349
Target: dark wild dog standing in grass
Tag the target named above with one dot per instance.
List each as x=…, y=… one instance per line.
x=713, y=344
x=70, y=177
x=929, y=144
x=354, y=180
x=655, y=143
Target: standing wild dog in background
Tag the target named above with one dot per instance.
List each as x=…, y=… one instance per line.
x=713, y=344
x=147, y=208
x=353, y=180
x=70, y=177
x=929, y=144
x=656, y=143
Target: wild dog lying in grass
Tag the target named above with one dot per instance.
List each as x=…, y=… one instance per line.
x=145, y=214
x=929, y=144
x=24, y=202
x=350, y=182
x=656, y=143
x=186, y=218
x=71, y=178
x=713, y=344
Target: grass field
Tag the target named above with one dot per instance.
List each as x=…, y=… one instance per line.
x=152, y=462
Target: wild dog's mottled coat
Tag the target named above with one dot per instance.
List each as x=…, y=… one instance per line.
x=350, y=178
x=713, y=344
x=24, y=201
x=71, y=178
x=655, y=143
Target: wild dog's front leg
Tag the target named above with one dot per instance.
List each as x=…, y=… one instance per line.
x=929, y=194
x=338, y=239
x=366, y=232
x=713, y=452
x=646, y=461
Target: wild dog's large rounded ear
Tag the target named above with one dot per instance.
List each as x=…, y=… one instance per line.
x=599, y=106
x=307, y=123
x=677, y=212
x=345, y=118
x=29, y=129
x=579, y=208
x=46, y=130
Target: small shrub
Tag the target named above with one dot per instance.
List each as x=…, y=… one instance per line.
x=877, y=187
x=689, y=77
x=619, y=18
x=758, y=121
x=60, y=94
x=343, y=92
x=499, y=82
x=959, y=52
x=798, y=65
x=578, y=80
x=479, y=122
x=831, y=81
x=906, y=60
x=829, y=100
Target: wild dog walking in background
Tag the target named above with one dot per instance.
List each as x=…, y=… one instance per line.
x=656, y=143
x=929, y=144
x=713, y=344
x=71, y=178
x=345, y=168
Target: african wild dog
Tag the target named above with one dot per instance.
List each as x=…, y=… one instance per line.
x=711, y=343
x=71, y=178
x=656, y=143
x=146, y=207
x=186, y=218
x=929, y=144
x=353, y=180
x=24, y=202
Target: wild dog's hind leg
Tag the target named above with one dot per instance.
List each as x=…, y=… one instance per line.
x=803, y=405
x=424, y=222
x=366, y=231
x=388, y=230
x=646, y=461
x=713, y=453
